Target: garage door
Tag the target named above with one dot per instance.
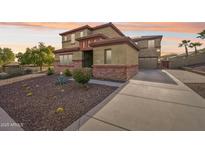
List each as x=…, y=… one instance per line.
x=148, y=63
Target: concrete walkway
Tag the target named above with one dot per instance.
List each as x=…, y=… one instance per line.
x=143, y=105
x=102, y=82
x=7, y=123
x=20, y=78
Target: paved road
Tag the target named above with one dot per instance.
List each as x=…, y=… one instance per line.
x=154, y=76
x=143, y=105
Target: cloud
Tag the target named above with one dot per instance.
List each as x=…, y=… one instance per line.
x=173, y=32
x=183, y=27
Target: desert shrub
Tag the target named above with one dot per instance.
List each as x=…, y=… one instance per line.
x=29, y=94
x=67, y=72
x=50, y=71
x=59, y=110
x=81, y=76
x=61, y=80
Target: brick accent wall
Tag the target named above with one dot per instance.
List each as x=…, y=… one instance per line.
x=60, y=68
x=131, y=71
x=114, y=72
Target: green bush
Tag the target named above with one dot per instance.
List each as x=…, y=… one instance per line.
x=67, y=72
x=50, y=71
x=81, y=76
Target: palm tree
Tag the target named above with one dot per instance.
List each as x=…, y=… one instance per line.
x=185, y=43
x=201, y=35
x=195, y=45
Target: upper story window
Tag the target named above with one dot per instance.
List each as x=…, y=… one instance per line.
x=81, y=34
x=108, y=56
x=72, y=38
x=151, y=43
x=65, y=38
x=66, y=59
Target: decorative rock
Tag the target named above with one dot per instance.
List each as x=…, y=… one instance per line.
x=59, y=110
x=29, y=94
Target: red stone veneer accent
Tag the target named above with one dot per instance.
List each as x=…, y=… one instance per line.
x=60, y=68
x=114, y=72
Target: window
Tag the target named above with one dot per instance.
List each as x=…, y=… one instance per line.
x=72, y=38
x=81, y=34
x=70, y=59
x=66, y=59
x=151, y=44
x=61, y=60
x=64, y=38
x=108, y=56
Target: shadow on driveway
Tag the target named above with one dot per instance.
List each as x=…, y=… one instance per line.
x=154, y=76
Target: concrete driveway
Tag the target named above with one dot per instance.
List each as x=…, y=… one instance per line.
x=154, y=76
x=145, y=105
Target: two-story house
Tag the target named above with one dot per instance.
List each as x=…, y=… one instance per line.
x=104, y=48
x=150, y=51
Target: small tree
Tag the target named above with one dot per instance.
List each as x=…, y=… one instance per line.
x=201, y=35
x=38, y=55
x=6, y=56
x=24, y=58
x=185, y=43
x=195, y=45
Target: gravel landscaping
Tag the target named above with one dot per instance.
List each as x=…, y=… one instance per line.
x=198, y=88
x=40, y=104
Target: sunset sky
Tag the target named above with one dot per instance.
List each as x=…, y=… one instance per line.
x=19, y=36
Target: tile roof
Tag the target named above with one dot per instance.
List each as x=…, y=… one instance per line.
x=146, y=38
x=67, y=50
x=92, y=36
x=112, y=41
x=94, y=28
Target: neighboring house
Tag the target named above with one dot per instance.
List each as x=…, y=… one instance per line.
x=105, y=48
x=150, y=51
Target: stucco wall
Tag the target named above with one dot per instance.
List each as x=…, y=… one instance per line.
x=132, y=56
x=121, y=54
x=77, y=55
x=149, y=52
x=118, y=54
x=68, y=44
x=108, y=31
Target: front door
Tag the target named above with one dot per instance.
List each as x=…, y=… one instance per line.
x=88, y=58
